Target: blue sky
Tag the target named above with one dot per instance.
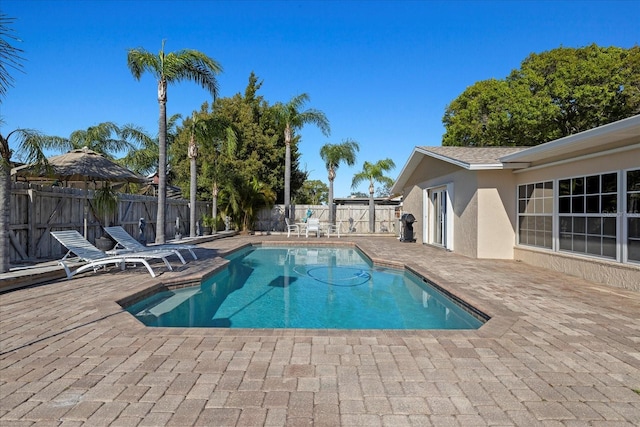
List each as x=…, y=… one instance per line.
x=382, y=71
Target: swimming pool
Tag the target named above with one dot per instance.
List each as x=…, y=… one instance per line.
x=306, y=287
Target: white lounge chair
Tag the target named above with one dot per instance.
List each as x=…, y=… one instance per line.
x=126, y=241
x=95, y=258
x=313, y=225
x=292, y=227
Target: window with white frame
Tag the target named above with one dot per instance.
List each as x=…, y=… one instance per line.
x=587, y=209
x=535, y=214
x=633, y=215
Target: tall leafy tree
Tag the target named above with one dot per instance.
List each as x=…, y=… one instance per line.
x=291, y=117
x=554, y=94
x=312, y=192
x=259, y=147
x=168, y=68
x=373, y=172
x=333, y=155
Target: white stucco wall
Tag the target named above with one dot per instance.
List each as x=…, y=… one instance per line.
x=496, y=214
x=465, y=204
x=465, y=207
x=412, y=203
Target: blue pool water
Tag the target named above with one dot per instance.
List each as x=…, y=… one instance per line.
x=305, y=287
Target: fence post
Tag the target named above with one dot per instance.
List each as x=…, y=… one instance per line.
x=31, y=229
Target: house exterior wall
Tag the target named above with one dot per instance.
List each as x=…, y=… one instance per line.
x=483, y=207
x=412, y=203
x=428, y=172
x=496, y=214
x=591, y=268
x=434, y=173
x=465, y=208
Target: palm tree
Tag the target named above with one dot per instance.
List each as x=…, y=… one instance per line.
x=333, y=155
x=198, y=127
x=144, y=158
x=255, y=195
x=291, y=118
x=9, y=53
x=106, y=138
x=373, y=172
x=31, y=144
x=221, y=146
x=168, y=68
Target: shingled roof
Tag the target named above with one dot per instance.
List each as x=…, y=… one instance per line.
x=470, y=156
x=619, y=136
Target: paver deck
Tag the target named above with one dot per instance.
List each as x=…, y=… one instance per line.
x=558, y=351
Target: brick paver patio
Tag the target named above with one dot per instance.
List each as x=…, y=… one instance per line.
x=558, y=351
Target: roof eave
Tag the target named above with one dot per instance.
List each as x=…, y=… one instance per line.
x=418, y=152
x=610, y=132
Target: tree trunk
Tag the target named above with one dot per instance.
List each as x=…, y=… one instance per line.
x=193, y=154
x=5, y=198
x=287, y=172
x=162, y=163
x=192, y=200
x=332, y=177
x=372, y=210
x=214, y=209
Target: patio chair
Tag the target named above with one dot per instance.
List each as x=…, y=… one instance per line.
x=313, y=225
x=292, y=227
x=95, y=258
x=126, y=241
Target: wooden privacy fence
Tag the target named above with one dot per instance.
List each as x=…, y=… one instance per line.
x=353, y=218
x=36, y=210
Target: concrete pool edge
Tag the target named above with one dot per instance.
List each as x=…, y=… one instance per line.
x=496, y=320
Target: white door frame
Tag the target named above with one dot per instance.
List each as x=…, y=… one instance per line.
x=445, y=220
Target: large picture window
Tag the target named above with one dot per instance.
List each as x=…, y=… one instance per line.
x=587, y=208
x=633, y=215
x=535, y=214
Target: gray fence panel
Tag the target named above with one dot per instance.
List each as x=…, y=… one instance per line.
x=354, y=219
x=36, y=210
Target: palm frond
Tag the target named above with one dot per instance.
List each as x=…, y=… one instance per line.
x=193, y=66
x=140, y=60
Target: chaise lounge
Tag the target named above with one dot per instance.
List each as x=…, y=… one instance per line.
x=126, y=241
x=95, y=258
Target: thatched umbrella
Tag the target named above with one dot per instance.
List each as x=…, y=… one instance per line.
x=81, y=165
